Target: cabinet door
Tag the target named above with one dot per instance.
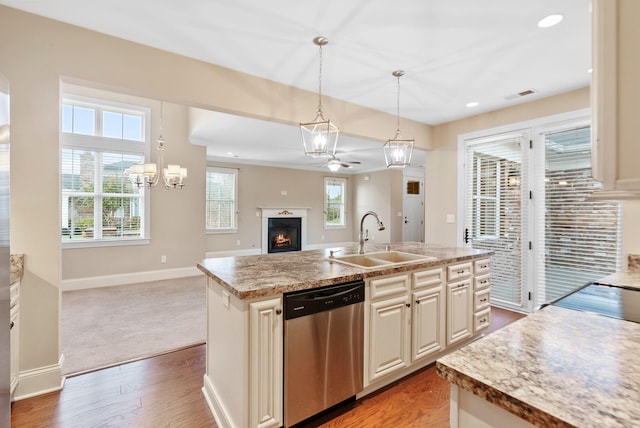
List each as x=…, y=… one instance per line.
x=265, y=359
x=428, y=323
x=388, y=336
x=460, y=310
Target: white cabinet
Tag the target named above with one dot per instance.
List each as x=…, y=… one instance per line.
x=615, y=85
x=265, y=362
x=387, y=337
x=243, y=383
x=405, y=321
x=459, y=302
x=14, y=336
x=481, y=294
x=459, y=311
x=428, y=314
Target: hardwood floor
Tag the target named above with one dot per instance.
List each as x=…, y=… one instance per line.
x=165, y=391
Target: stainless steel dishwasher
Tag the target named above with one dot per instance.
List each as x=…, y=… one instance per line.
x=323, y=348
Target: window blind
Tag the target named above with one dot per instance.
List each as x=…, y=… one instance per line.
x=581, y=238
x=494, y=211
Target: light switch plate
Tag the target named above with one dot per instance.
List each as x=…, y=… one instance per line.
x=451, y=218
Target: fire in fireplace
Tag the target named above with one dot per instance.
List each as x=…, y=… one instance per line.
x=284, y=234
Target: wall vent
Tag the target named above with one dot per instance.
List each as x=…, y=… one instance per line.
x=520, y=94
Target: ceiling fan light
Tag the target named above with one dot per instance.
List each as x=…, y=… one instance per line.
x=333, y=165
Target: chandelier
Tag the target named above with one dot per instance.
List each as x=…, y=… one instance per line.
x=320, y=136
x=398, y=150
x=148, y=174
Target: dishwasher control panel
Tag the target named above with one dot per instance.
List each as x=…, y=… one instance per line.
x=307, y=302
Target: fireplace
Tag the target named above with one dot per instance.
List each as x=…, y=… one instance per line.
x=284, y=234
x=283, y=229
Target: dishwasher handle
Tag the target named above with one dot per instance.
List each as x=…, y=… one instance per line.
x=322, y=299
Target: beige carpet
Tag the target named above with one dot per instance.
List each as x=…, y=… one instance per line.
x=105, y=326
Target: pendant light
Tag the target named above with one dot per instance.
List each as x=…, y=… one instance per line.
x=319, y=137
x=148, y=174
x=398, y=150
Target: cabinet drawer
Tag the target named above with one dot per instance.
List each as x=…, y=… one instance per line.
x=481, y=300
x=481, y=266
x=458, y=271
x=388, y=287
x=481, y=281
x=428, y=278
x=482, y=320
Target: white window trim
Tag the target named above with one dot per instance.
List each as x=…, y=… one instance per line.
x=233, y=229
x=72, y=141
x=344, y=202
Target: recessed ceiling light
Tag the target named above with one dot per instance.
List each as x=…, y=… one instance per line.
x=473, y=104
x=550, y=21
x=590, y=70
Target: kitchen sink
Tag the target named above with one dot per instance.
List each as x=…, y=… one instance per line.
x=379, y=259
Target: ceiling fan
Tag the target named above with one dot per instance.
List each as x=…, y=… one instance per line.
x=335, y=163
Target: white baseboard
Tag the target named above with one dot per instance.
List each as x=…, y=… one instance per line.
x=233, y=253
x=127, y=278
x=258, y=251
x=330, y=245
x=40, y=381
x=214, y=405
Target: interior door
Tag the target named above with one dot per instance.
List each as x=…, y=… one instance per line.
x=413, y=209
x=496, y=206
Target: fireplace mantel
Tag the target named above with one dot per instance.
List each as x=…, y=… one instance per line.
x=283, y=212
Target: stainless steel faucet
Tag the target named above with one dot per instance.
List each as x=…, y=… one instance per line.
x=361, y=237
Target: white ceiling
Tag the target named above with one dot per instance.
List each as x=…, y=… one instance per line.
x=452, y=51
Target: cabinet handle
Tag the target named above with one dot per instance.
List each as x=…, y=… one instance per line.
x=408, y=305
x=484, y=281
x=278, y=311
x=417, y=302
x=11, y=325
x=460, y=272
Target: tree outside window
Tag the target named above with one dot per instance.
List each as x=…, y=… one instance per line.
x=334, y=201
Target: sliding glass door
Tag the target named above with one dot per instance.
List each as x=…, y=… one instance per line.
x=526, y=197
x=495, y=217
x=580, y=238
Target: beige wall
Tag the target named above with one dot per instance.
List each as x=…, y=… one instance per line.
x=260, y=186
x=176, y=232
x=378, y=192
x=441, y=165
x=441, y=186
x=35, y=55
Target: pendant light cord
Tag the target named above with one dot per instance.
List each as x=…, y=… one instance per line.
x=320, y=83
x=398, y=106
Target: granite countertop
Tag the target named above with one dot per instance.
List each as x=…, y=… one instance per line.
x=17, y=267
x=272, y=274
x=555, y=368
x=629, y=279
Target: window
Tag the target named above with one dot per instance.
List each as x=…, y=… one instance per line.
x=222, y=197
x=100, y=142
x=335, y=195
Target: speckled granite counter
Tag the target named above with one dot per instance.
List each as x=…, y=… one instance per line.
x=17, y=267
x=555, y=368
x=622, y=279
x=272, y=274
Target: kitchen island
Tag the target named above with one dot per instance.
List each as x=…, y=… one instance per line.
x=555, y=368
x=415, y=311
